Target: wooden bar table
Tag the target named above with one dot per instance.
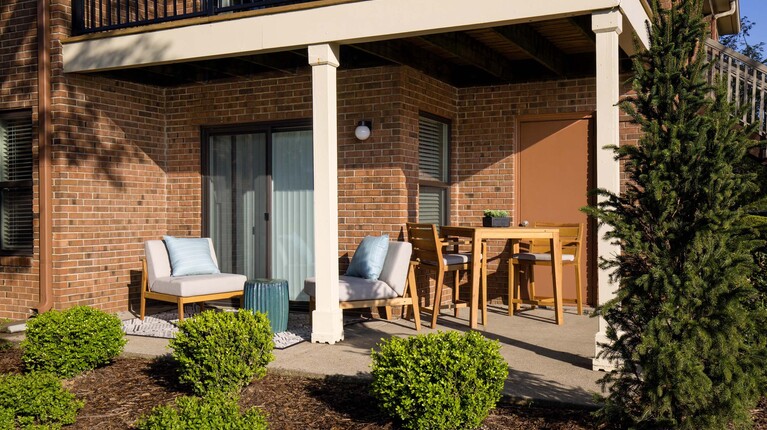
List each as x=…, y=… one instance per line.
x=479, y=234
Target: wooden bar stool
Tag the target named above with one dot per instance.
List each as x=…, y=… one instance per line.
x=571, y=237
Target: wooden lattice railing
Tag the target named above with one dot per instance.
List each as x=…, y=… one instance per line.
x=746, y=82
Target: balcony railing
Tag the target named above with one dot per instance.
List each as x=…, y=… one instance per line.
x=746, y=82
x=90, y=16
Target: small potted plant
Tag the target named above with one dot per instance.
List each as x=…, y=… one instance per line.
x=496, y=218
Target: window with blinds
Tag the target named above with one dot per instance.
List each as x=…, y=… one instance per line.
x=16, y=183
x=433, y=174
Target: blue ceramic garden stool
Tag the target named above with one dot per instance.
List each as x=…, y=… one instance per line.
x=269, y=296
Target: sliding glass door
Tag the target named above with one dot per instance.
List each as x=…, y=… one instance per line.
x=259, y=192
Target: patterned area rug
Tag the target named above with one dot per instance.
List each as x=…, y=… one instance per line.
x=163, y=325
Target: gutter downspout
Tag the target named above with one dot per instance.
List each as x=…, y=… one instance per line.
x=715, y=16
x=44, y=155
x=732, y=10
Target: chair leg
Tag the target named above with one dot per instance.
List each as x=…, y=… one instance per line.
x=387, y=312
x=517, y=288
x=456, y=291
x=414, y=298
x=144, y=288
x=180, y=310
x=416, y=315
x=511, y=288
x=531, y=282
x=578, y=291
x=437, y=298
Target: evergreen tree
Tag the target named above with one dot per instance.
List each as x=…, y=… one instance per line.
x=683, y=330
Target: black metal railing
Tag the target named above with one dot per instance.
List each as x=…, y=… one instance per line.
x=90, y=16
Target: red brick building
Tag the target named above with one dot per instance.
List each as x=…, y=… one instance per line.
x=213, y=118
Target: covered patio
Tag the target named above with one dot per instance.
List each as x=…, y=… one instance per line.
x=488, y=71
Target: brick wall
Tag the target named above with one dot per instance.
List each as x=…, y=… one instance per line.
x=109, y=188
x=18, y=90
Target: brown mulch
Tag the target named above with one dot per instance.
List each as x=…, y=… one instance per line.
x=118, y=394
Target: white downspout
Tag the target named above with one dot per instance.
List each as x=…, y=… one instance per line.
x=733, y=8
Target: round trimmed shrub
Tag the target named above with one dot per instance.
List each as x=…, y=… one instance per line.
x=439, y=380
x=214, y=412
x=222, y=351
x=35, y=400
x=70, y=342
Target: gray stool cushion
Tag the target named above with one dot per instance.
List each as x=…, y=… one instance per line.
x=528, y=256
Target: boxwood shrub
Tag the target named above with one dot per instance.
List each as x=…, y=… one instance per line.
x=7, y=419
x=440, y=380
x=35, y=400
x=70, y=342
x=222, y=351
x=213, y=412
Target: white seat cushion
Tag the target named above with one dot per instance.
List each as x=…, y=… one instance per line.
x=528, y=256
x=351, y=289
x=196, y=285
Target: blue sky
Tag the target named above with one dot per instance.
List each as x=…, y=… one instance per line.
x=756, y=11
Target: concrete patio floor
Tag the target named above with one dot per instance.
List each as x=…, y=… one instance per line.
x=547, y=363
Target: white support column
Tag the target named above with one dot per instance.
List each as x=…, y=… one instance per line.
x=327, y=318
x=607, y=25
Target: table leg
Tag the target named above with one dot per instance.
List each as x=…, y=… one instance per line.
x=556, y=274
x=476, y=250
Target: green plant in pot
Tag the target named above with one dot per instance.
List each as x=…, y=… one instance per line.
x=496, y=218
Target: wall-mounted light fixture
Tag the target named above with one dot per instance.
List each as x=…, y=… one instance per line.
x=362, y=132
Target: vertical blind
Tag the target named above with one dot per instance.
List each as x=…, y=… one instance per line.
x=251, y=185
x=432, y=151
x=293, y=209
x=16, y=184
x=432, y=168
x=431, y=201
x=237, y=178
x=260, y=215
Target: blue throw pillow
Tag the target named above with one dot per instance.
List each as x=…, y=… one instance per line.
x=189, y=256
x=368, y=260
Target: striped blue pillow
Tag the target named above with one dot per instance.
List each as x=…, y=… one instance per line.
x=189, y=256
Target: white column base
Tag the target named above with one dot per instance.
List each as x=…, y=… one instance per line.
x=600, y=363
x=332, y=325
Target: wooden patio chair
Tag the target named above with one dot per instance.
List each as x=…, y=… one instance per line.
x=428, y=253
x=157, y=282
x=571, y=238
x=394, y=287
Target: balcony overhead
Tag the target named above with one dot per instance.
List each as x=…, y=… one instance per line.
x=502, y=41
x=728, y=12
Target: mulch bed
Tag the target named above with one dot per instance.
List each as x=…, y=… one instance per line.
x=116, y=395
